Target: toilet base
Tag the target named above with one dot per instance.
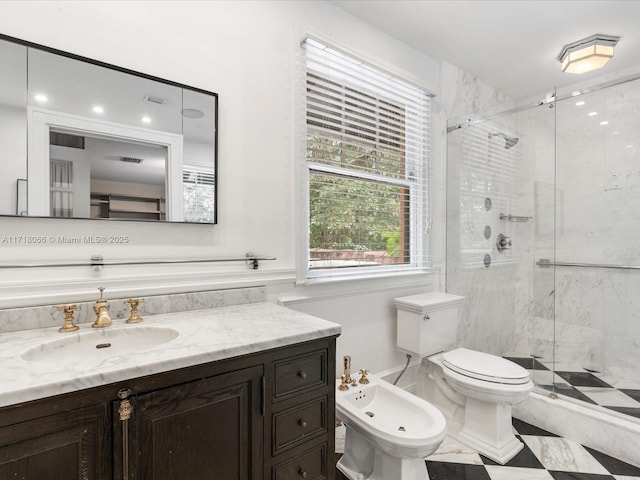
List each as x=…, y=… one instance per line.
x=488, y=430
x=363, y=461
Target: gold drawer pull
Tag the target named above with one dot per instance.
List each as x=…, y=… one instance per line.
x=302, y=374
x=302, y=473
x=302, y=423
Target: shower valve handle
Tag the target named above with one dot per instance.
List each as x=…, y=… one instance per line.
x=503, y=243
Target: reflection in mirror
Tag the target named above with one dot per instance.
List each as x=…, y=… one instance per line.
x=94, y=177
x=96, y=141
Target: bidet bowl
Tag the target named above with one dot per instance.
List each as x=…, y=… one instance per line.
x=94, y=346
x=398, y=422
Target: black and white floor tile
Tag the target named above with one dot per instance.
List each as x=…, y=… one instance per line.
x=586, y=385
x=545, y=456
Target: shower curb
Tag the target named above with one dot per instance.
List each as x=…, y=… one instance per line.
x=604, y=432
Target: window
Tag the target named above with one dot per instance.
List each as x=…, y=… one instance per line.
x=366, y=160
x=61, y=173
x=199, y=194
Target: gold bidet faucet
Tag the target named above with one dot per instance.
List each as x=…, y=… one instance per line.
x=101, y=307
x=346, y=366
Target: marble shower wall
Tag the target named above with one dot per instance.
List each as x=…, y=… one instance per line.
x=487, y=318
x=598, y=222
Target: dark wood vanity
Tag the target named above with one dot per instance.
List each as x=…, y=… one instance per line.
x=268, y=415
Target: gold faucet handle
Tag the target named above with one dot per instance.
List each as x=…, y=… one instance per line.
x=363, y=378
x=68, y=326
x=134, y=317
x=343, y=384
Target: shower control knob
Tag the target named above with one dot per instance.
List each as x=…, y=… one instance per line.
x=503, y=243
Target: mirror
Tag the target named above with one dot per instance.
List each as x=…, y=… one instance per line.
x=83, y=139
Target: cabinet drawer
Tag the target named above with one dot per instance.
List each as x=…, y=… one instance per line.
x=308, y=466
x=296, y=374
x=293, y=426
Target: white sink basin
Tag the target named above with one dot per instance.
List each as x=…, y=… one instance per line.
x=91, y=346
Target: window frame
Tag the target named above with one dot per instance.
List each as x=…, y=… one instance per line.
x=415, y=181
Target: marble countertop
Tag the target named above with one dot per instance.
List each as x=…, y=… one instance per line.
x=203, y=336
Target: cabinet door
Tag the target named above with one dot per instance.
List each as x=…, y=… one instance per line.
x=208, y=429
x=74, y=445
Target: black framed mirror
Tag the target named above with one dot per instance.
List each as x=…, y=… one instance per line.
x=80, y=138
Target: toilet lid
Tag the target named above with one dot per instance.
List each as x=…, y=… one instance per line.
x=484, y=366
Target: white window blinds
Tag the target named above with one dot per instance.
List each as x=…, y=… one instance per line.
x=199, y=194
x=367, y=151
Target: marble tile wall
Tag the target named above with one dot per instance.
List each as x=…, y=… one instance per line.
x=487, y=314
x=596, y=221
x=27, y=318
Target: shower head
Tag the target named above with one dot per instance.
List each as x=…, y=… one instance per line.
x=508, y=141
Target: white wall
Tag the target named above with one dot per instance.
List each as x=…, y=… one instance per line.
x=13, y=124
x=247, y=52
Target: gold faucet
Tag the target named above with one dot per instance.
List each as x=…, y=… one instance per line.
x=346, y=363
x=68, y=326
x=101, y=308
x=134, y=317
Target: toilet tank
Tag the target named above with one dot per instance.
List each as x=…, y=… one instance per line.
x=428, y=323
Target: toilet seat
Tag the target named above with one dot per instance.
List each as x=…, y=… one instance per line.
x=485, y=367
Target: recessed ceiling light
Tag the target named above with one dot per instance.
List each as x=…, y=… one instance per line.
x=604, y=122
x=580, y=103
x=40, y=97
x=629, y=146
x=146, y=119
x=192, y=113
x=593, y=114
x=152, y=99
x=98, y=109
x=575, y=93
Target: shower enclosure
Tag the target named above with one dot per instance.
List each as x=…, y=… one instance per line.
x=543, y=240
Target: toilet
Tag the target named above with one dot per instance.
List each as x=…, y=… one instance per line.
x=474, y=390
x=389, y=432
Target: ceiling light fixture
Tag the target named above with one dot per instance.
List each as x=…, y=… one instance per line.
x=40, y=97
x=587, y=54
x=192, y=113
x=158, y=100
x=98, y=109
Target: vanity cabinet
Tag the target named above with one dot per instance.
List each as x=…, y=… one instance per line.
x=263, y=416
x=301, y=419
x=74, y=444
x=209, y=428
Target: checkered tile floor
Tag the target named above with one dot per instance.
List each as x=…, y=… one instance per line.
x=545, y=456
x=586, y=385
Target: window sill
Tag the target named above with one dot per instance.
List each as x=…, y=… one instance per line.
x=314, y=289
x=411, y=275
